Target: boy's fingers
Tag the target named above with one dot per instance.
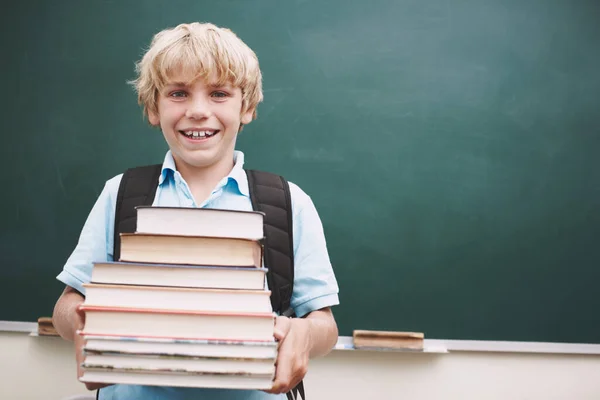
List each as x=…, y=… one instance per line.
x=78, y=343
x=283, y=371
x=278, y=334
x=80, y=320
x=94, y=385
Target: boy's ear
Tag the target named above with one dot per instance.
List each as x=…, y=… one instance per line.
x=246, y=117
x=153, y=118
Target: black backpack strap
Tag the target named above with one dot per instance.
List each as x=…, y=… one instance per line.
x=270, y=194
x=137, y=188
x=297, y=392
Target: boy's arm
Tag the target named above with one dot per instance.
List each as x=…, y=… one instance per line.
x=318, y=331
x=66, y=317
x=315, y=290
x=323, y=332
x=95, y=244
x=301, y=339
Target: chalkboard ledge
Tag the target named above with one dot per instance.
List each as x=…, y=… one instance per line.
x=514, y=347
x=439, y=346
x=346, y=343
x=18, y=326
x=447, y=346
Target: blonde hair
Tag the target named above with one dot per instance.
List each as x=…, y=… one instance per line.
x=198, y=50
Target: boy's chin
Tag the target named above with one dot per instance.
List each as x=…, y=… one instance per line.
x=197, y=161
x=200, y=158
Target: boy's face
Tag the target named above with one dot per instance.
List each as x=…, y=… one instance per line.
x=200, y=122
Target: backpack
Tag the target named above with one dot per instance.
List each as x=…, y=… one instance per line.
x=269, y=193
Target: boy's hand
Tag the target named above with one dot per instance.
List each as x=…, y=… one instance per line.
x=294, y=349
x=79, y=342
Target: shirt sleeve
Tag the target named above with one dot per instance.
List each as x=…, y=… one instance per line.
x=315, y=286
x=95, y=241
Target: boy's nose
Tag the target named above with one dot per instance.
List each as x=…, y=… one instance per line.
x=198, y=109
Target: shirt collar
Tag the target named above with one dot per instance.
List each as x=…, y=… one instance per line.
x=237, y=174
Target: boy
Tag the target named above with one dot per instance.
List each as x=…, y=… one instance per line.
x=200, y=84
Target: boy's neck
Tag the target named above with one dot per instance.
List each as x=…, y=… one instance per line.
x=202, y=180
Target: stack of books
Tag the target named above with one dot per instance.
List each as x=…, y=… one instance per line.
x=185, y=305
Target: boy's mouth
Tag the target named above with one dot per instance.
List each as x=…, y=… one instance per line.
x=199, y=135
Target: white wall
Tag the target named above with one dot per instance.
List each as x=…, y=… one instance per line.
x=44, y=368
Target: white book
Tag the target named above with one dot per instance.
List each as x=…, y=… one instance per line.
x=154, y=378
x=190, y=250
x=178, y=323
x=176, y=298
x=242, y=277
x=189, y=221
x=181, y=347
x=179, y=363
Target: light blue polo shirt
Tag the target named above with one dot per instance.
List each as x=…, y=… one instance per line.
x=315, y=285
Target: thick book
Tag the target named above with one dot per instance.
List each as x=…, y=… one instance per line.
x=175, y=298
x=200, y=222
x=94, y=359
x=178, y=324
x=175, y=378
x=364, y=339
x=180, y=347
x=195, y=250
x=195, y=276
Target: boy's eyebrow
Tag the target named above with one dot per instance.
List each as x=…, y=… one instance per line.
x=177, y=84
x=217, y=86
x=210, y=85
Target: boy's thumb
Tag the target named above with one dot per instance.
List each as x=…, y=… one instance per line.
x=80, y=317
x=282, y=327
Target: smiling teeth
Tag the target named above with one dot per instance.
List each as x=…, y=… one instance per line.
x=199, y=133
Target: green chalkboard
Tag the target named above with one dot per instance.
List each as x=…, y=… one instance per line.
x=452, y=149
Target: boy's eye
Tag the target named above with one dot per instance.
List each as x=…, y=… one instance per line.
x=219, y=94
x=178, y=93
